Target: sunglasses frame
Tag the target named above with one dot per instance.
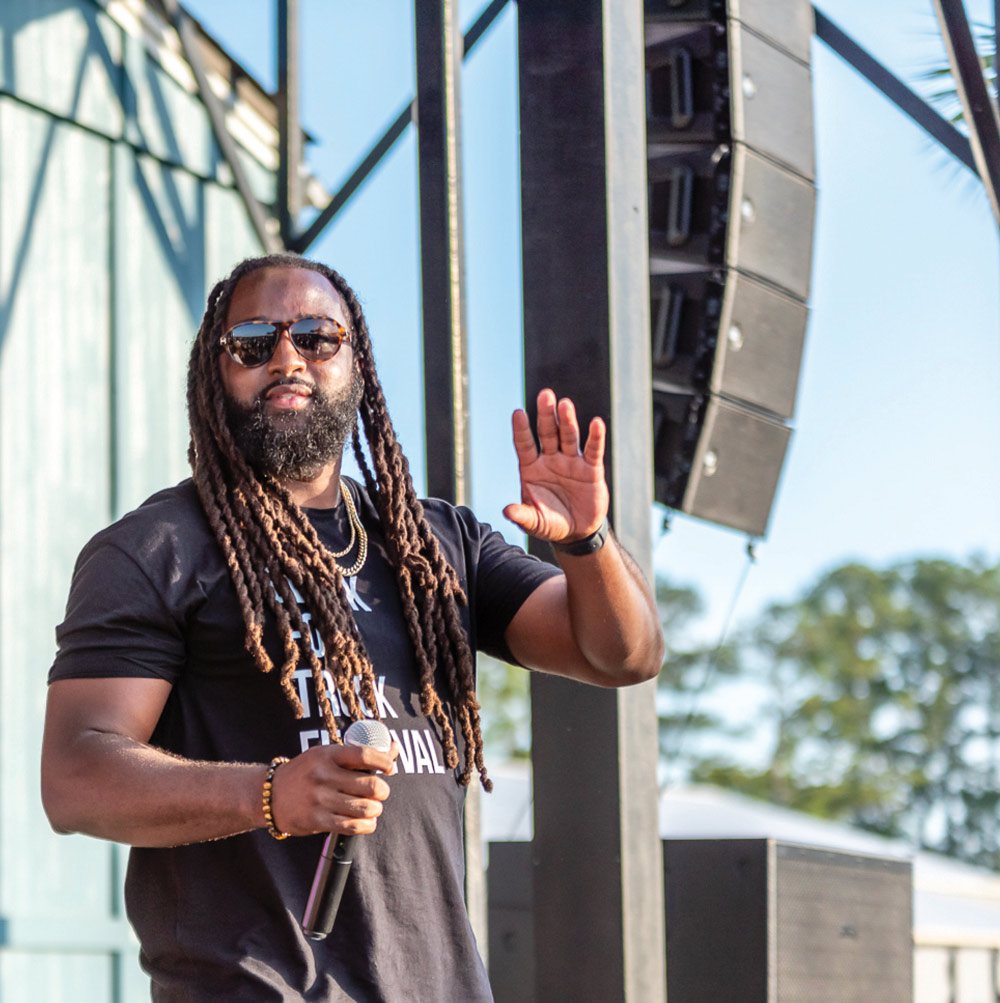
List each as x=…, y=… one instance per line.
x=279, y=327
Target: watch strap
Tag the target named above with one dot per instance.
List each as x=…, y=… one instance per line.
x=588, y=545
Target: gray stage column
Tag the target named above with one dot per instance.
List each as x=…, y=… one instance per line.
x=442, y=252
x=598, y=909
x=442, y=268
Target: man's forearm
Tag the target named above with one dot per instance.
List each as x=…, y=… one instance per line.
x=116, y=788
x=613, y=614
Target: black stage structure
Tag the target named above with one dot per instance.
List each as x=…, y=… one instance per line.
x=600, y=209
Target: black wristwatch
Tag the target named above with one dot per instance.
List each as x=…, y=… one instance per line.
x=588, y=545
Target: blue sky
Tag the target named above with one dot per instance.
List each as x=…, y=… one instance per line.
x=895, y=448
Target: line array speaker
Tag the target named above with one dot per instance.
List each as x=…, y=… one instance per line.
x=731, y=207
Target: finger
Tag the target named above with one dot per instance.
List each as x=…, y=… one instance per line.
x=524, y=516
x=358, y=808
x=548, y=422
x=361, y=786
x=356, y=819
x=353, y=812
x=361, y=757
x=569, y=428
x=524, y=441
x=593, y=450
x=352, y=827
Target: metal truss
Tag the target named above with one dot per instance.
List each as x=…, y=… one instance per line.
x=276, y=226
x=979, y=109
x=980, y=150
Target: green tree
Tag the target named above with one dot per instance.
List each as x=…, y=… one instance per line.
x=691, y=672
x=883, y=691
x=502, y=690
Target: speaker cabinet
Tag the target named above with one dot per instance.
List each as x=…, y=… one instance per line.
x=736, y=458
x=762, y=921
x=732, y=199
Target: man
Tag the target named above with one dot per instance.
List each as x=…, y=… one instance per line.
x=218, y=640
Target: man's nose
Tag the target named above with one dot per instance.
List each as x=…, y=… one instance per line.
x=285, y=358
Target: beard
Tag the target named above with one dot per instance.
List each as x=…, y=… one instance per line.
x=295, y=445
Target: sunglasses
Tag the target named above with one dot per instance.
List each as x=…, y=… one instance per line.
x=252, y=344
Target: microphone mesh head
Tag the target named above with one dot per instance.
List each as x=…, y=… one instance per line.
x=374, y=734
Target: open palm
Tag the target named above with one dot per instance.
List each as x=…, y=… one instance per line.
x=564, y=495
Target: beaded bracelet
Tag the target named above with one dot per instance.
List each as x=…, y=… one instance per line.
x=266, y=798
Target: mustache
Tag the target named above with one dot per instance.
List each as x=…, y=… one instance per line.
x=287, y=381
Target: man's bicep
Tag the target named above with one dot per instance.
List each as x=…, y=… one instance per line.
x=129, y=706
x=91, y=724
x=540, y=635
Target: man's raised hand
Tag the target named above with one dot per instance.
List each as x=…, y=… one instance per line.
x=564, y=495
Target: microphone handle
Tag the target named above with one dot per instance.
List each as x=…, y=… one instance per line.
x=328, y=886
x=338, y=851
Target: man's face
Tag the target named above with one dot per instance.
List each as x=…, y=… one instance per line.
x=290, y=417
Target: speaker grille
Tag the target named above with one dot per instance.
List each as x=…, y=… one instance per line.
x=843, y=928
x=761, y=921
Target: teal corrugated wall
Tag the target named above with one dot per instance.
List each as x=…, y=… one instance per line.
x=115, y=215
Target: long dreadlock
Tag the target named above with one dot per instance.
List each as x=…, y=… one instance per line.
x=273, y=552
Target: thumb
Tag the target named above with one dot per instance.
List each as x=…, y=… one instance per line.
x=524, y=516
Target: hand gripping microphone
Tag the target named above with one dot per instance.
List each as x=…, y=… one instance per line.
x=338, y=850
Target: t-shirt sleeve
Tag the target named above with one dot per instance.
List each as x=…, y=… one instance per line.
x=505, y=577
x=117, y=623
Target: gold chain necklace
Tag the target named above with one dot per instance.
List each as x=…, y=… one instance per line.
x=346, y=495
x=357, y=533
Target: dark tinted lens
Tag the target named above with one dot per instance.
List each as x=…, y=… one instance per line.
x=317, y=338
x=252, y=344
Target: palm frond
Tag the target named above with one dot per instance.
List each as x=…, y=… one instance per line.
x=947, y=98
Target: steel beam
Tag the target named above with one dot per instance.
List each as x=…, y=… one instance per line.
x=357, y=178
x=388, y=139
x=482, y=23
x=187, y=33
x=980, y=112
x=596, y=849
x=289, y=130
x=910, y=103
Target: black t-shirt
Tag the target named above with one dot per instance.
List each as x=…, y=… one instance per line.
x=151, y=596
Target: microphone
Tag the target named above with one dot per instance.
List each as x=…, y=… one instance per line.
x=338, y=850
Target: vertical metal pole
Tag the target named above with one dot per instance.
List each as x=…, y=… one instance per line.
x=442, y=263
x=596, y=851
x=289, y=132
x=388, y=139
x=439, y=51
